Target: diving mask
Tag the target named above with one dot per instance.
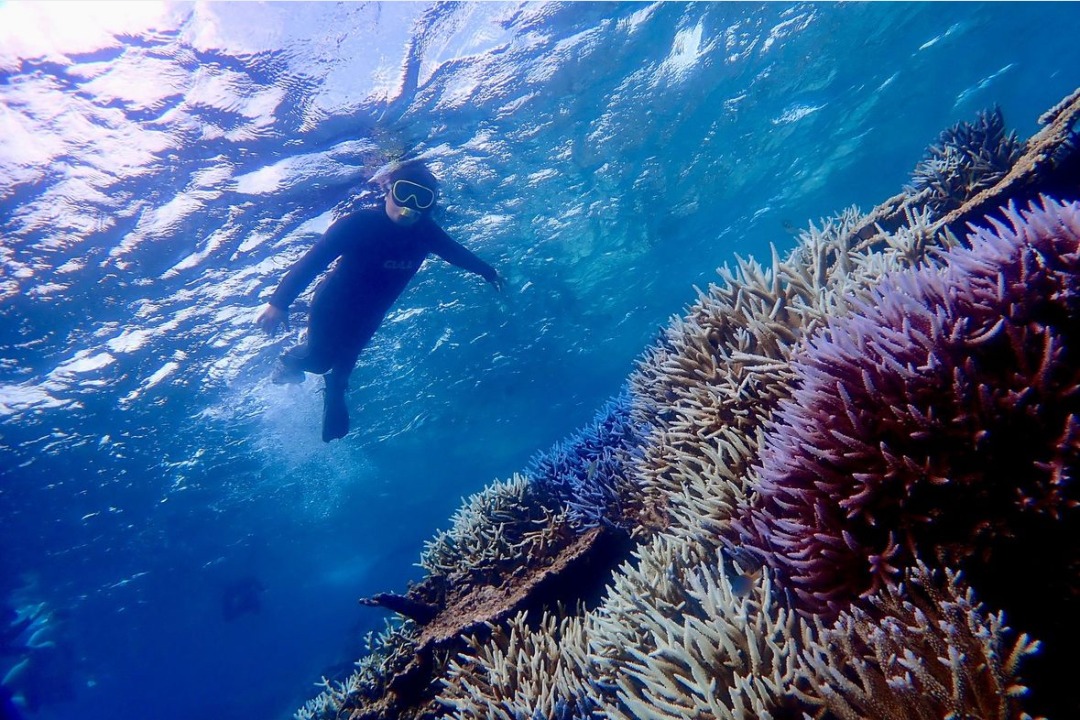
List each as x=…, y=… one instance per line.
x=412, y=196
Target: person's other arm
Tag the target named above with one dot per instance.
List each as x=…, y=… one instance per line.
x=458, y=255
x=318, y=257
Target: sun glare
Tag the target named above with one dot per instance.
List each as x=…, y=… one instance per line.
x=52, y=30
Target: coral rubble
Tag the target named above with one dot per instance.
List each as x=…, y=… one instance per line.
x=826, y=490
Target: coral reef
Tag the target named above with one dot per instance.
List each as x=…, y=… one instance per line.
x=918, y=651
x=1049, y=165
x=930, y=420
x=682, y=636
x=591, y=473
x=493, y=529
x=387, y=654
x=471, y=608
x=518, y=671
x=969, y=157
x=771, y=521
x=679, y=634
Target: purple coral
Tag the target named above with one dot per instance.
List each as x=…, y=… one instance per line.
x=591, y=472
x=940, y=420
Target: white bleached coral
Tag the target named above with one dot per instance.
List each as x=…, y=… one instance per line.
x=925, y=649
x=387, y=652
x=519, y=671
x=494, y=529
x=681, y=636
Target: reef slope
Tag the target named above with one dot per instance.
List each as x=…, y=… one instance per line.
x=842, y=484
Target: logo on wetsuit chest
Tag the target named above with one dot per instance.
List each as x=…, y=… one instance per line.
x=399, y=265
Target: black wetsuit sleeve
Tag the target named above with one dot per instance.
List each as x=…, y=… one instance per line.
x=325, y=250
x=456, y=254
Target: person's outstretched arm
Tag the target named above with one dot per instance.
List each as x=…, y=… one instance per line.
x=318, y=257
x=457, y=254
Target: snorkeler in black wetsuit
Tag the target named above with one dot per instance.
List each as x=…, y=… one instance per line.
x=379, y=251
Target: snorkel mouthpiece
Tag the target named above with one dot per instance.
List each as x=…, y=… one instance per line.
x=408, y=212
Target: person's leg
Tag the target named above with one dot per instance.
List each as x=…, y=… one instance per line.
x=300, y=359
x=315, y=354
x=335, y=410
x=291, y=366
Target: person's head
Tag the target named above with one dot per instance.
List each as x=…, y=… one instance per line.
x=411, y=192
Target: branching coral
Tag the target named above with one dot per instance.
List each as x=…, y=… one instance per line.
x=969, y=157
x=919, y=651
x=719, y=373
x=387, y=654
x=592, y=472
x=682, y=637
x=518, y=672
x=931, y=421
x=1068, y=140
x=705, y=387
x=494, y=530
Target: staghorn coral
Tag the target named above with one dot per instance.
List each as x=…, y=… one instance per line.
x=470, y=603
x=705, y=388
x=918, y=651
x=968, y=158
x=493, y=530
x=387, y=653
x=331, y=701
x=591, y=473
x=507, y=551
x=515, y=671
x=1049, y=165
x=708, y=387
x=934, y=419
x=1065, y=150
x=681, y=636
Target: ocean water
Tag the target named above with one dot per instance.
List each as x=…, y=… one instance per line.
x=162, y=164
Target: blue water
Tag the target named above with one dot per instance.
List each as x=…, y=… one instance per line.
x=162, y=164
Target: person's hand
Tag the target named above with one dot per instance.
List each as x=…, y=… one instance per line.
x=497, y=282
x=270, y=318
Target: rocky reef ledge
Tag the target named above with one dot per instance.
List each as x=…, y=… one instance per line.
x=841, y=485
